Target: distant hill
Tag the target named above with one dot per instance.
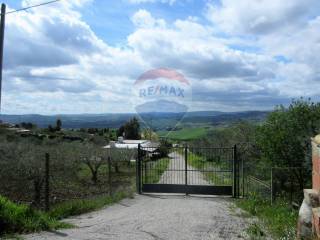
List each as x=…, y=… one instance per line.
x=159, y=120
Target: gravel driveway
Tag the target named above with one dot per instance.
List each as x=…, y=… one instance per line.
x=175, y=173
x=157, y=217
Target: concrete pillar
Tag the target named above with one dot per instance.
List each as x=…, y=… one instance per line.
x=316, y=184
x=309, y=213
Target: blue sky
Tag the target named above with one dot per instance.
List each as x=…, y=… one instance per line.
x=83, y=56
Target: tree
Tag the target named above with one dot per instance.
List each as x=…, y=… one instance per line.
x=164, y=148
x=284, y=139
x=149, y=134
x=120, y=156
x=93, y=156
x=58, y=125
x=130, y=130
x=120, y=131
x=27, y=125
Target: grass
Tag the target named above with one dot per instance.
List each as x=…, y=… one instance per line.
x=16, y=218
x=185, y=134
x=279, y=218
x=255, y=232
x=80, y=206
x=217, y=174
x=155, y=169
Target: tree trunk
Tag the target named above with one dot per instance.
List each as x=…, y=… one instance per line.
x=94, y=177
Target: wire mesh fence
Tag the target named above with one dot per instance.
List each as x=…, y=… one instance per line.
x=41, y=175
x=285, y=183
x=271, y=183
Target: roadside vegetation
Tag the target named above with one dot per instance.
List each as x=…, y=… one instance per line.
x=21, y=218
x=155, y=169
x=278, y=219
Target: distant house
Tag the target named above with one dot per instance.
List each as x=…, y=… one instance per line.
x=147, y=146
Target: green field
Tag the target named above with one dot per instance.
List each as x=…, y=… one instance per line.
x=184, y=134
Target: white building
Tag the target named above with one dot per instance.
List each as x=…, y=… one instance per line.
x=146, y=145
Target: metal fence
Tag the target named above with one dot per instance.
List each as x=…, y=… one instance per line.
x=42, y=176
x=286, y=183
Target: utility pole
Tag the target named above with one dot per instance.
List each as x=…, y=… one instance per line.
x=2, y=25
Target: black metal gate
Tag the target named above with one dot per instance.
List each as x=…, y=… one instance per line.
x=189, y=170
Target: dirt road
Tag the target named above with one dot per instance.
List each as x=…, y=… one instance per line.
x=175, y=173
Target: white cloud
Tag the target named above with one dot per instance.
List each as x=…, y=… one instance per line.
x=143, y=19
x=260, y=16
x=55, y=62
x=151, y=1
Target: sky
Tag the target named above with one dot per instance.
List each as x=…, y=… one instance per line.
x=83, y=56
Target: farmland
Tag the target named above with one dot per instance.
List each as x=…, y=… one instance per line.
x=185, y=134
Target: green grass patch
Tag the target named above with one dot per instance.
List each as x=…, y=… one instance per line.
x=80, y=206
x=18, y=218
x=255, y=232
x=217, y=171
x=279, y=218
x=185, y=134
x=155, y=169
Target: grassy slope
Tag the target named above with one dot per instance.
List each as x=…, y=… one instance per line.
x=16, y=218
x=279, y=219
x=23, y=219
x=184, y=134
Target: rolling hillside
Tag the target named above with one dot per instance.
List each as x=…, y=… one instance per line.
x=158, y=121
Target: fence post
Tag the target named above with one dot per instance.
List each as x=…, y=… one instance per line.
x=242, y=170
x=138, y=170
x=235, y=185
x=271, y=186
x=186, y=168
x=47, y=182
x=109, y=176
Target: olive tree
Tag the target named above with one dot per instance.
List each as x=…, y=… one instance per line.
x=121, y=155
x=94, y=157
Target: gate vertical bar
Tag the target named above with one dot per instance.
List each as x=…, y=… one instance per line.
x=242, y=170
x=186, y=167
x=47, y=182
x=235, y=182
x=109, y=176
x=138, y=170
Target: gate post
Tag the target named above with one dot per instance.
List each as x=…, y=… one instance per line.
x=47, y=182
x=138, y=170
x=186, y=168
x=235, y=173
